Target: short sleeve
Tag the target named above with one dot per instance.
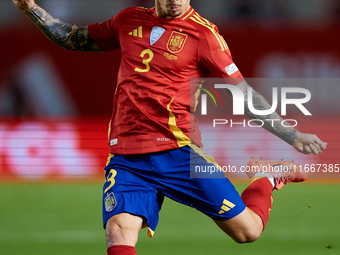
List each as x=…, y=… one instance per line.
x=106, y=34
x=215, y=55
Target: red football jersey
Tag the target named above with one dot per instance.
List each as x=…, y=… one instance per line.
x=153, y=102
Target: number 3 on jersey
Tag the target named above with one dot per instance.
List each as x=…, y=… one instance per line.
x=145, y=61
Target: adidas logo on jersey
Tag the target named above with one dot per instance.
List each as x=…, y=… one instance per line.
x=137, y=32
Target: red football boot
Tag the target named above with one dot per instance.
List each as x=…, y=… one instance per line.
x=283, y=172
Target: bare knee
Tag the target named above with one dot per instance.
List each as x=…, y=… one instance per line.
x=122, y=229
x=243, y=228
x=247, y=236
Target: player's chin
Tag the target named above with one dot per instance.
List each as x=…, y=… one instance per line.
x=175, y=14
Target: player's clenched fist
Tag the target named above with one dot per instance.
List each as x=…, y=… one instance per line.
x=23, y=5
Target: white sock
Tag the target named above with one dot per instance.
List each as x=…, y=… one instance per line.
x=269, y=176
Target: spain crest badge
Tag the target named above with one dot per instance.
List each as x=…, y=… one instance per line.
x=110, y=202
x=176, y=42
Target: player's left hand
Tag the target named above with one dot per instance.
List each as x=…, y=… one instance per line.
x=309, y=143
x=24, y=5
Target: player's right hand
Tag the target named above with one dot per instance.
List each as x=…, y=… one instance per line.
x=309, y=143
x=24, y=5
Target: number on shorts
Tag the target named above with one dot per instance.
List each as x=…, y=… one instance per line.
x=111, y=179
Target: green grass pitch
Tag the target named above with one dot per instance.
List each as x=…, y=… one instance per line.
x=65, y=218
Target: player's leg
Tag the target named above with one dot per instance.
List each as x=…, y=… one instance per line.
x=266, y=176
x=243, y=228
x=122, y=229
x=206, y=189
x=122, y=234
x=130, y=202
x=249, y=224
x=209, y=192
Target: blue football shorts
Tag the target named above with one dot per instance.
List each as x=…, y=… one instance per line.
x=137, y=184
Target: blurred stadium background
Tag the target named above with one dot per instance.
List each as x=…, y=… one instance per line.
x=54, y=112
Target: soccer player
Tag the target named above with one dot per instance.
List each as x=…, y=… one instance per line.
x=154, y=138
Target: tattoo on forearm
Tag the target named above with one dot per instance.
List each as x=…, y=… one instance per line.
x=287, y=134
x=64, y=34
x=36, y=16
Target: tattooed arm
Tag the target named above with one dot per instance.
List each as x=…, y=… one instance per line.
x=64, y=34
x=304, y=143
